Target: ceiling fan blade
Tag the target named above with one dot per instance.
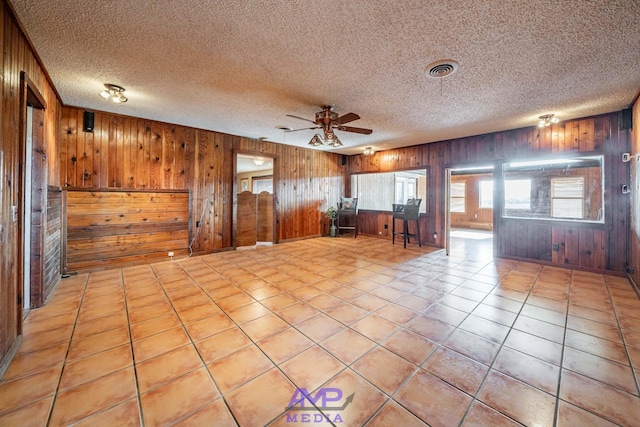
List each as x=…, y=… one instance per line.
x=356, y=130
x=349, y=117
x=296, y=130
x=300, y=118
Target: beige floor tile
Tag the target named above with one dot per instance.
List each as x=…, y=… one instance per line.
x=36, y=361
x=570, y=415
x=393, y=414
x=236, y=369
x=80, y=402
x=260, y=401
x=166, y=367
x=264, y=327
x=96, y=366
x=395, y=372
x=519, y=401
x=222, y=344
x=153, y=326
x=26, y=390
x=215, y=413
x=456, y=369
x=172, y=401
x=284, y=345
x=311, y=368
x=209, y=326
x=319, y=327
x=482, y=415
x=34, y=414
x=410, y=346
x=163, y=342
x=126, y=414
x=375, y=328
x=297, y=313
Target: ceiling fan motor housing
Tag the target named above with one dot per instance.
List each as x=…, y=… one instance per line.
x=326, y=116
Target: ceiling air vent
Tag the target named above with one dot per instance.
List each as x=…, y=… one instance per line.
x=442, y=68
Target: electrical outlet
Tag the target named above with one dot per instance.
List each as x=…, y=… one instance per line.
x=171, y=254
x=386, y=226
x=556, y=247
x=197, y=224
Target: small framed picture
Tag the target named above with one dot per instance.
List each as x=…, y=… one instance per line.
x=244, y=184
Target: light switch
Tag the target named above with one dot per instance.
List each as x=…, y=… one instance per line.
x=14, y=213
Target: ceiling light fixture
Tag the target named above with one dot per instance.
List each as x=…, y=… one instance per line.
x=547, y=120
x=114, y=93
x=258, y=161
x=315, y=141
x=332, y=140
x=368, y=151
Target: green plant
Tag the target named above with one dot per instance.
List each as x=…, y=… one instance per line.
x=331, y=213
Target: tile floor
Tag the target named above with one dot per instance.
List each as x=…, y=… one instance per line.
x=414, y=336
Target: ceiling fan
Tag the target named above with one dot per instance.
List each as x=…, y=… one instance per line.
x=328, y=120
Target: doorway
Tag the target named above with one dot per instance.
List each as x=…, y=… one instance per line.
x=470, y=212
x=254, y=200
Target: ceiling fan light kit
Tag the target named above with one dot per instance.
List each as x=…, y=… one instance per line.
x=328, y=120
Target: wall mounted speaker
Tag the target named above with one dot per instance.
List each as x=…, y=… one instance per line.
x=344, y=160
x=87, y=122
x=626, y=119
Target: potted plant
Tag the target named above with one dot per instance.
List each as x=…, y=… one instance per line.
x=332, y=213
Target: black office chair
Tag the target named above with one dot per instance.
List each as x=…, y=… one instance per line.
x=348, y=208
x=407, y=212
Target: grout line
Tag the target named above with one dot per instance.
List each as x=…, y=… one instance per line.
x=75, y=323
x=133, y=355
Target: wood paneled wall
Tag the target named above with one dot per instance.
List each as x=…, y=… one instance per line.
x=18, y=57
x=130, y=153
x=634, y=235
x=516, y=238
x=52, y=240
x=117, y=228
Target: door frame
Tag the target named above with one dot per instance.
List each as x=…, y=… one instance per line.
x=30, y=96
x=274, y=160
x=497, y=192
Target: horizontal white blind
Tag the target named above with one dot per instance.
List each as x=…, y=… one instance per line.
x=567, y=197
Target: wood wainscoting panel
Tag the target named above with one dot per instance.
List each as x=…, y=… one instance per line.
x=115, y=228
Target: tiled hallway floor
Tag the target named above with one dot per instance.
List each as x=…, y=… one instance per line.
x=416, y=337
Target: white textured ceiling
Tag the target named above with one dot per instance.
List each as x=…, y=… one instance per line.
x=239, y=66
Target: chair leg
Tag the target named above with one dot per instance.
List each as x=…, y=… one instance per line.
x=406, y=231
x=393, y=231
x=418, y=228
x=338, y=226
x=356, y=227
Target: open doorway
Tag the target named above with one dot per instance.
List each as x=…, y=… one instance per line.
x=254, y=208
x=470, y=212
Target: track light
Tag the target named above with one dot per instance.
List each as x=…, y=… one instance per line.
x=547, y=120
x=114, y=93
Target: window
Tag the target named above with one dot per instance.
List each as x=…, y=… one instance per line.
x=457, y=198
x=517, y=194
x=567, y=198
x=557, y=188
x=379, y=191
x=486, y=194
x=262, y=183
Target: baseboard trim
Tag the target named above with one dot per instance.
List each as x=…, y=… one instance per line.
x=8, y=358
